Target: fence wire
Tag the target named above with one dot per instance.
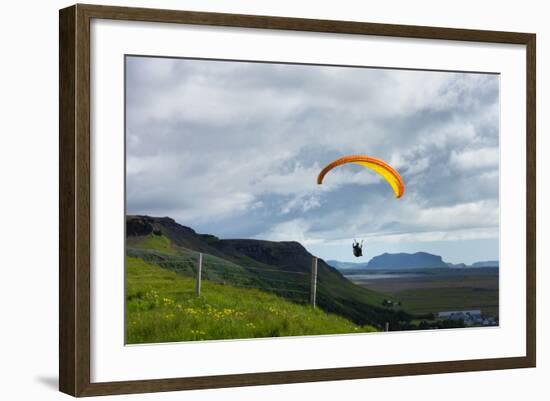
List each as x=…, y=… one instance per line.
x=225, y=272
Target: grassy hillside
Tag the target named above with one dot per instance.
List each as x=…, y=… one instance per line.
x=161, y=306
x=215, y=269
x=155, y=242
x=282, y=268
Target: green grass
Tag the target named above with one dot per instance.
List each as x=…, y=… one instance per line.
x=161, y=306
x=157, y=242
x=435, y=300
x=439, y=290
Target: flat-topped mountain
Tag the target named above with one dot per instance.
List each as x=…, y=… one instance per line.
x=418, y=260
x=406, y=261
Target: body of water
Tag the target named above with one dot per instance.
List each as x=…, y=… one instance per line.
x=378, y=276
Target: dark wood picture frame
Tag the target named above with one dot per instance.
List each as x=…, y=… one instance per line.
x=74, y=199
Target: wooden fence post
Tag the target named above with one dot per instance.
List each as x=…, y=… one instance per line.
x=199, y=271
x=313, y=291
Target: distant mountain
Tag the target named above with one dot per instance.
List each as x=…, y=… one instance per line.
x=488, y=263
x=457, y=265
x=280, y=267
x=406, y=261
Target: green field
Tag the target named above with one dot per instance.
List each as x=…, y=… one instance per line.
x=438, y=290
x=444, y=299
x=161, y=306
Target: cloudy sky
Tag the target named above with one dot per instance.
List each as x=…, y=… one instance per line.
x=234, y=148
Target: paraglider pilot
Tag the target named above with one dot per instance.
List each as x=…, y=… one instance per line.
x=357, y=248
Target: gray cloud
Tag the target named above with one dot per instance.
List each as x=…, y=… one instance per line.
x=234, y=148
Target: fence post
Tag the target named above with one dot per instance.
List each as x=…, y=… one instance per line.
x=387, y=328
x=199, y=271
x=313, y=291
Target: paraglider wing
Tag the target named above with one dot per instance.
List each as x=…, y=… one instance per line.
x=381, y=167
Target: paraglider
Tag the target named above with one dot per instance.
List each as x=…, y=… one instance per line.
x=357, y=248
x=387, y=172
x=381, y=167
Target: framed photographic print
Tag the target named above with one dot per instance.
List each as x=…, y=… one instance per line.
x=313, y=200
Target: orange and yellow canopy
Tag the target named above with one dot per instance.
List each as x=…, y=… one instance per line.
x=381, y=167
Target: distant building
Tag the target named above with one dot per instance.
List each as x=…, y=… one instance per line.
x=466, y=315
x=469, y=317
